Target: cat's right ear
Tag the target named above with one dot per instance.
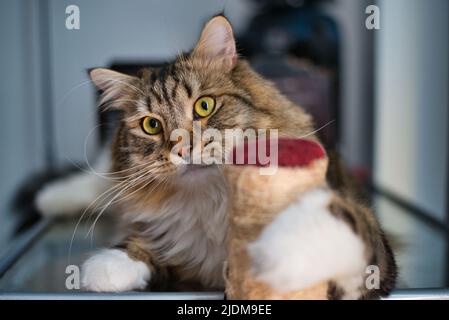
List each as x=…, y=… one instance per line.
x=111, y=83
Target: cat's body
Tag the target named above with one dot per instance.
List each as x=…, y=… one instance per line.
x=177, y=213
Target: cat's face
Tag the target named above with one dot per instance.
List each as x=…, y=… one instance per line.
x=209, y=88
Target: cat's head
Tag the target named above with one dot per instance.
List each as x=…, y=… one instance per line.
x=211, y=86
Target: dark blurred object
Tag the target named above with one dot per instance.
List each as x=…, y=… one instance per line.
x=296, y=45
x=272, y=4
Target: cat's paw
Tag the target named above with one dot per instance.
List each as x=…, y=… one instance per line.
x=112, y=270
x=307, y=244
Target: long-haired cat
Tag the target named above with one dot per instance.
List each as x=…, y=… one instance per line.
x=176, y=213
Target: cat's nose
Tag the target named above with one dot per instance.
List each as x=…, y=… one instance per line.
x=183, y=151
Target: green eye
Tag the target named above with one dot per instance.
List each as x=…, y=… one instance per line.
x=151, y=125
x=204, y=106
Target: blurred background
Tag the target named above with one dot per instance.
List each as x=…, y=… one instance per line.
x=382, y=95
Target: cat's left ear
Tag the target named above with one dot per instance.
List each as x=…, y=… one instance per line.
x=111, y=83
x=217, y=43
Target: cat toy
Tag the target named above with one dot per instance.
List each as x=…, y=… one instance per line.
x=263, y=262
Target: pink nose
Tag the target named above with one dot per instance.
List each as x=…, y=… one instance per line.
x=184, y=151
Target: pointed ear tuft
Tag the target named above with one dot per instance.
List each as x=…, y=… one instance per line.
x=105, y=78
x=110, y=82
x=217, y=43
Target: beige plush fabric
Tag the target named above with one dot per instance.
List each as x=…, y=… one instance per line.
x=255, y=201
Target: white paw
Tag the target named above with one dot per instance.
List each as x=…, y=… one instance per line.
x=112, y=270
x=305, y=245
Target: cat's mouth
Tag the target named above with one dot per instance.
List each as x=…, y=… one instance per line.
x=194, y=169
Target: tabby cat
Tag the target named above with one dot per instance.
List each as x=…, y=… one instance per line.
x=176, y=214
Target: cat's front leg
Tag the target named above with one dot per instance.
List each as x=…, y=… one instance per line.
x=126, y=267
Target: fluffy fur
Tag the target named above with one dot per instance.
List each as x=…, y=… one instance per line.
x=189, y=228
x=58, y=197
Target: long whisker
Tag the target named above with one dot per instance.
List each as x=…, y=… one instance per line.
x=129, y=180
x=105, y=195
x=317, y=130
x=153, y=187
x=113, y=199
x=105, y=175
x=127, y=185
x=106, y=105
x=86, y=158
x=120, y=172
x=122, y=82
x=149, y=179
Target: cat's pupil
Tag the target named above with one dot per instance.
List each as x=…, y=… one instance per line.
x=153, y=123
x=204, y=105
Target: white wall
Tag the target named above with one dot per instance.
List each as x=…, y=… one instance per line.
x=117, y=30
x=21, y=138
x=412, y=101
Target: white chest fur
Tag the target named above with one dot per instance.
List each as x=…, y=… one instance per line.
x=189, y=230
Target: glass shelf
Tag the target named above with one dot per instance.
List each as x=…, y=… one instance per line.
x=39, y=270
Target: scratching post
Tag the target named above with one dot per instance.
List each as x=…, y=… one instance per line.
x=256, y=200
